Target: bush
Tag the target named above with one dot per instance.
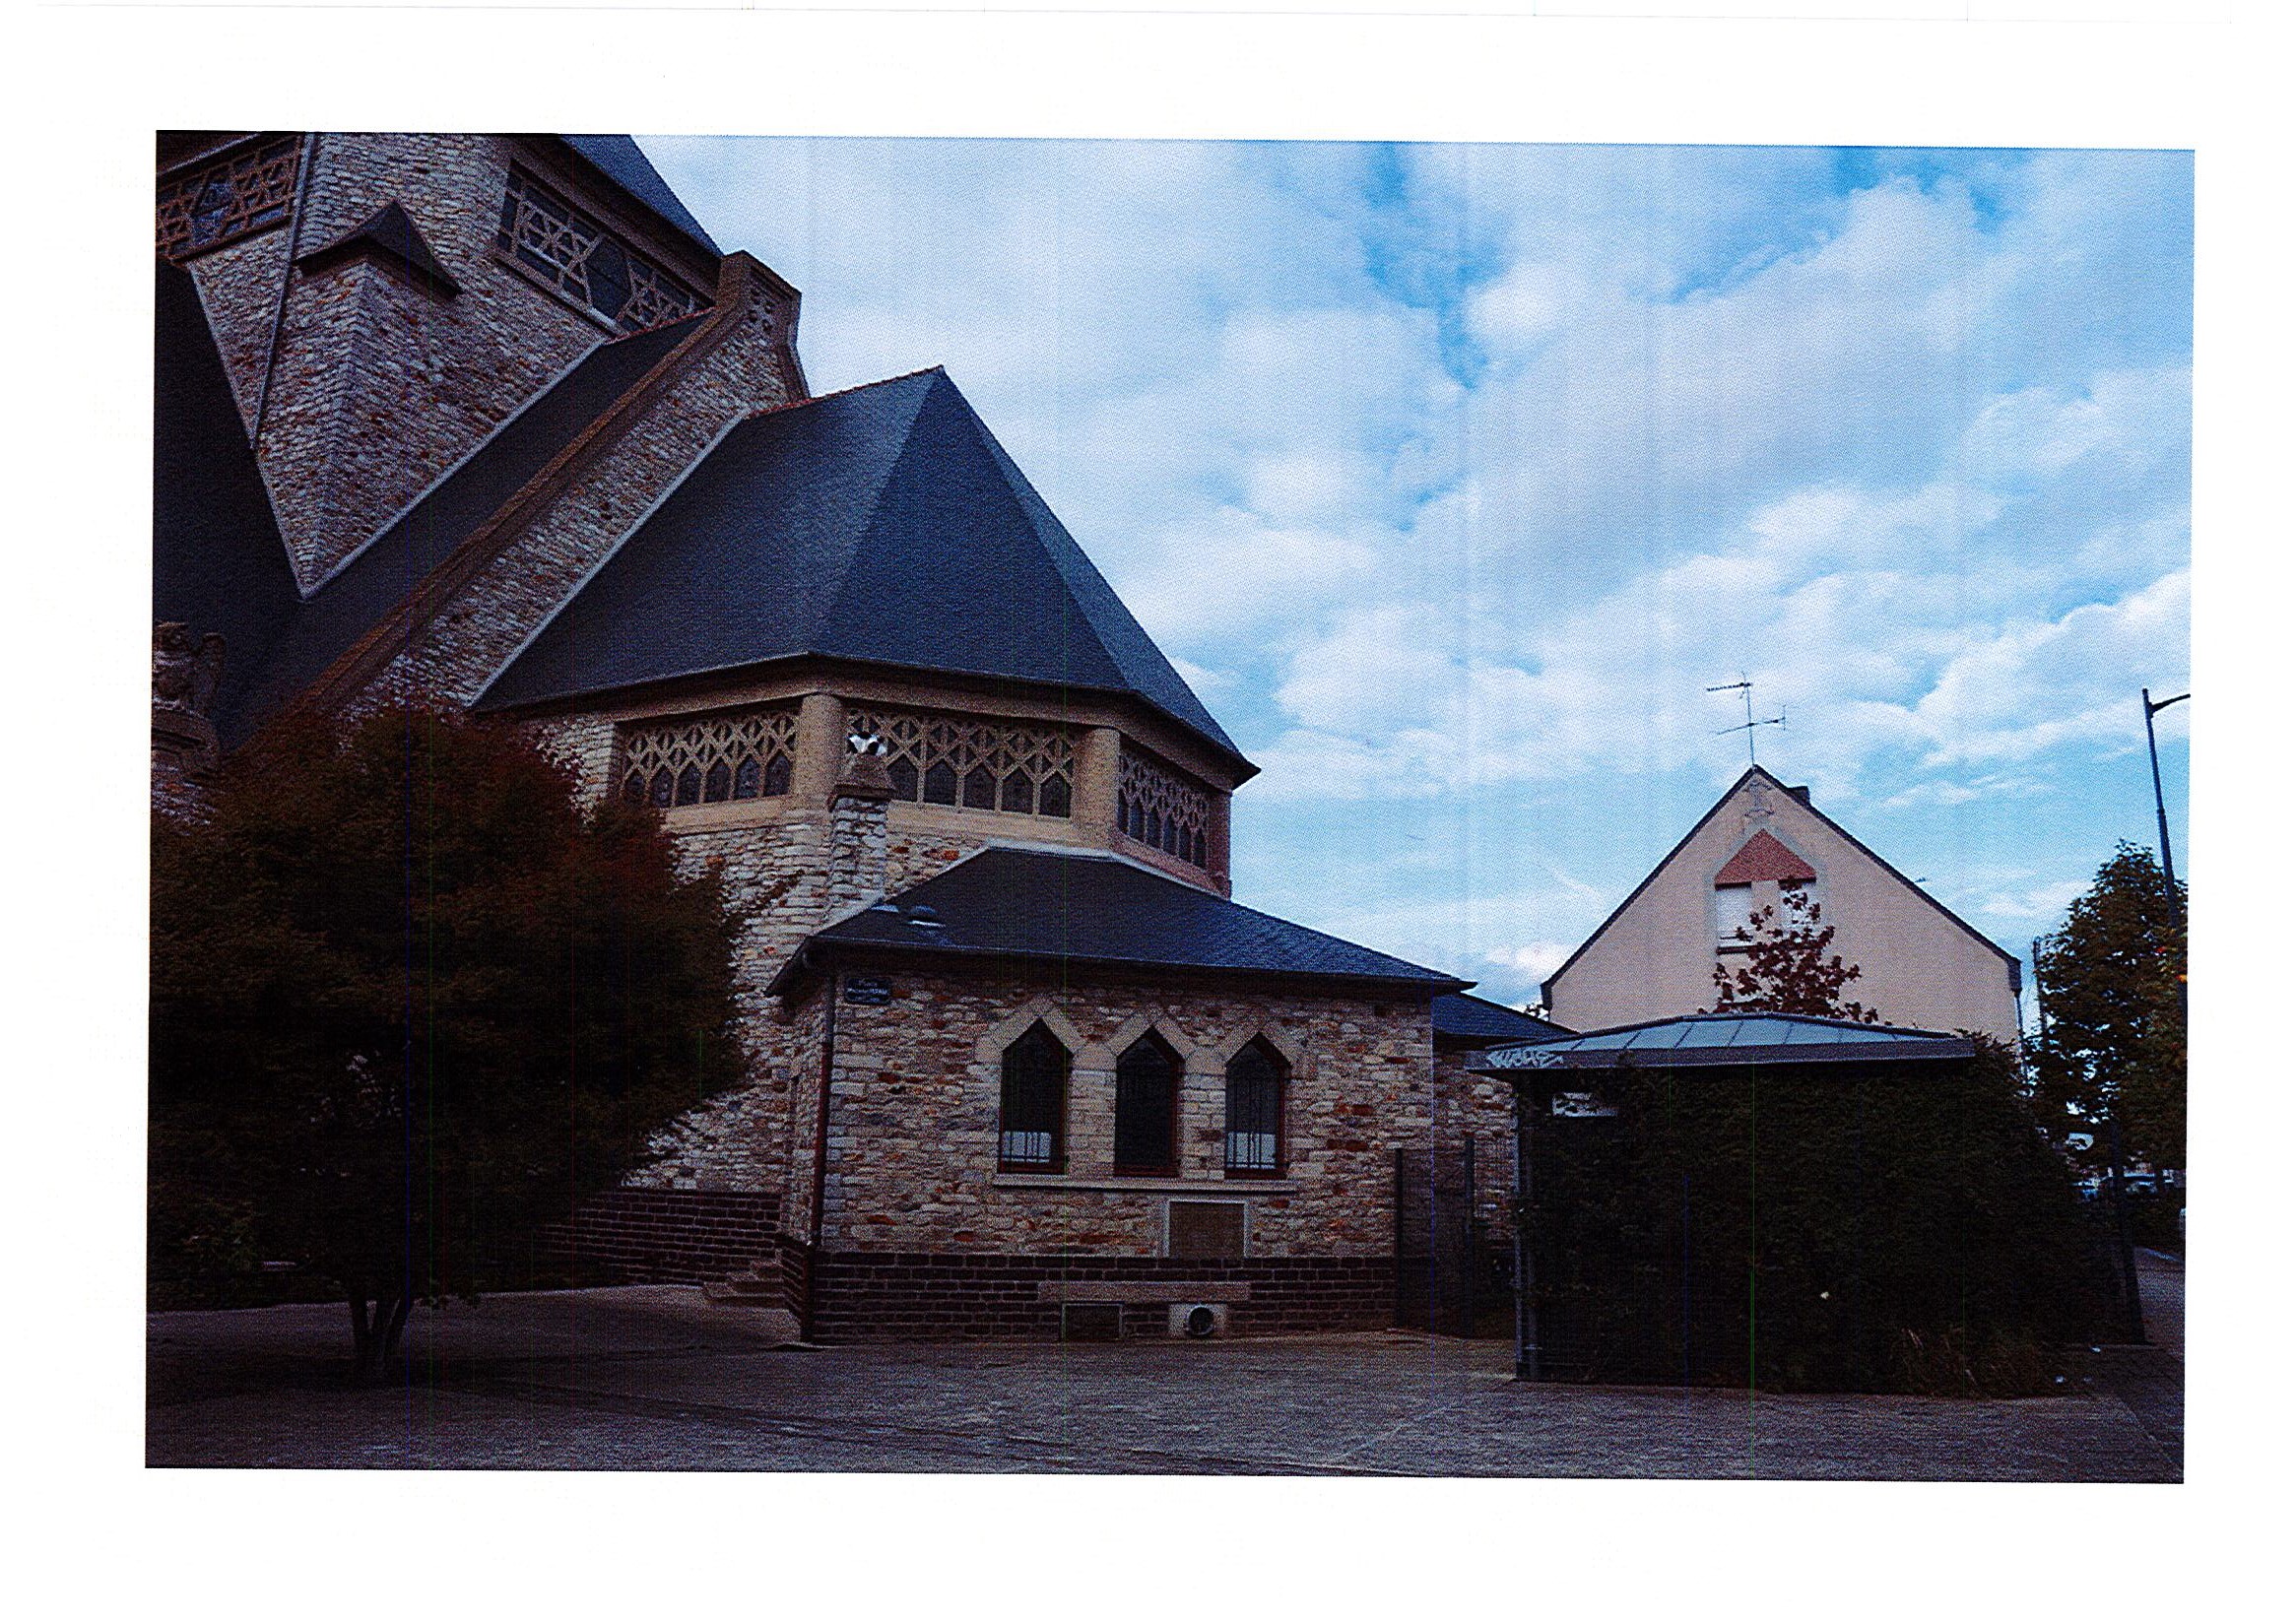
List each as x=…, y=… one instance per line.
x=1847, y=1227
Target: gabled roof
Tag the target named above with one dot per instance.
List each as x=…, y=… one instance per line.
x=217, y=562
x=883, y=524
x=618, y=157
x=1473, y=1021
x=1085, y=908
x=386, y=233
x=2015, y=965
x=1702, y=1039
x=1764, y=859
x=375, y=580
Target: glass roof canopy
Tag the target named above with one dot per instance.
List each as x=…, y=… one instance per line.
x=1706, y=1039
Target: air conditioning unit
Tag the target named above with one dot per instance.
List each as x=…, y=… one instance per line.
x=1197, y=1321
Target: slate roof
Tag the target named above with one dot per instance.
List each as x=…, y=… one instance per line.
x=619, y=160
x=1473, y=1021
x=883, y=524
x=389, y=233
x=1101, y=910
x=1701, y=1040
x=217, y=562
x=370, y=583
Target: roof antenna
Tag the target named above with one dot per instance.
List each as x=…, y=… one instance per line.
x=1746, y=689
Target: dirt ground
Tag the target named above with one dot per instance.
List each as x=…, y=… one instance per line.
x=657, y=1379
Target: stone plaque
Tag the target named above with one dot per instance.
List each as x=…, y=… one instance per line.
x=868, y=993
x=1200, y=1230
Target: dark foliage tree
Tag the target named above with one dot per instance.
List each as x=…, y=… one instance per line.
x=409, y=1002
x=2111, y=985
x=1789, y=966
x=1852, y=1226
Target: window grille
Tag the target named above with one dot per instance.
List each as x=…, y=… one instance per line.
x=1033, y=1102
x=234, y=196
x=973, y=764
x=745, y=757
x=1254, y=1110
x=1147, y=1084
x=1159, y=807
x=584, y=260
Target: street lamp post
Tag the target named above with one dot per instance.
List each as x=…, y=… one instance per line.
x=2168, y=865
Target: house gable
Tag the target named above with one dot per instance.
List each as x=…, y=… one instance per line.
x=1653, y=957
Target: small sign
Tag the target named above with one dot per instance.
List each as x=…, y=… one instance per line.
x=1581, y=1106
x=868, y=993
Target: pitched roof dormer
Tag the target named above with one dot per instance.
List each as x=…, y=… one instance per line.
x=390, y=238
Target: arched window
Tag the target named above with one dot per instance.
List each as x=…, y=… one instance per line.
x=1148, y=1108
x=1254, y=1110
x=1032, y=1104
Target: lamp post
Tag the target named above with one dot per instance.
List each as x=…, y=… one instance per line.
x=2168, y=865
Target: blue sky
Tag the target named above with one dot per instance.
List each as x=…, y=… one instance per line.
x=1451, y=477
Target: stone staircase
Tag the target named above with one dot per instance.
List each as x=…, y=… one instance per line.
x=773, y=1283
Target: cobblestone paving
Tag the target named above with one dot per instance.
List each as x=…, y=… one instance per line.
x=646, y=1379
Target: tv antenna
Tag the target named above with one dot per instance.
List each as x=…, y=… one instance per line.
x=1746, y=689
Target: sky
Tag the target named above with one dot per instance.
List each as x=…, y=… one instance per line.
x=1451, y=477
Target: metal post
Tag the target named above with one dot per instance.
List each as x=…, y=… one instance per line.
x=2134, y=1320
x=1525, y=1312
x=2168, y=865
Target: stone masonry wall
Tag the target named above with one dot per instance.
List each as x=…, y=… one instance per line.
x=378, y=386
x=914, y=1100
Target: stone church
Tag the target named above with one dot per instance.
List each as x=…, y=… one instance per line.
x=490, y=420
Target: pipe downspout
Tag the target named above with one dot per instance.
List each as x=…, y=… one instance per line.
x=820, y=1152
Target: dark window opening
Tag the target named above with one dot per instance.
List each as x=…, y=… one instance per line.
x=1016, y=792
x=1033, y=1102
x=904, y=778
x=980, y=789
x=1255, y=1109
x=634, y=789
x=940, y=784
x=690, y=785
x=1051, y=800
x=746, y=779
x=660, y=788
x=1147, y=1112
x=778, y=771
x=718, y=784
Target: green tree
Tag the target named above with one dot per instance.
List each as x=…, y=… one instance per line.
x=2111, y=984
x=410, y=1000
x=1789, y=966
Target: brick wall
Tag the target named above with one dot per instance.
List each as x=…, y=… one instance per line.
x=919, y=1295
x=646, y=1235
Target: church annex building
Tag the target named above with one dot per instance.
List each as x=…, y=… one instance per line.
x=489, y=420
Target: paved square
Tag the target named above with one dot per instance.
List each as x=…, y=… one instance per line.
x=655, y=1379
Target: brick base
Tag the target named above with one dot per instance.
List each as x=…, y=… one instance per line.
x=663, y=1235
x=874, y=1296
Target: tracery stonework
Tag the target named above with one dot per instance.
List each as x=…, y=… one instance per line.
x=1159, y=807
x=585, y=261
x=239, y=193
x=705, y=761
x=977, y=764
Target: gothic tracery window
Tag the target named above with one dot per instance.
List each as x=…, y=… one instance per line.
x=1159, y=807
x=1033, y=1102
x=1148, y=1108
x=1254, y=1110
x=707, y=761
x=236, y=195
x=584, y=260
x=974, y=765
